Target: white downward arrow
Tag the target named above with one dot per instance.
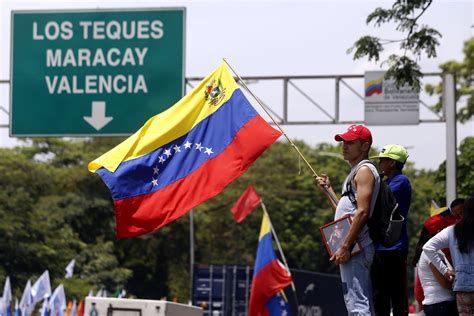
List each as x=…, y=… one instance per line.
x=98, y=118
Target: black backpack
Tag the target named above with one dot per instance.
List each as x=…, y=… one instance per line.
x=385, y=222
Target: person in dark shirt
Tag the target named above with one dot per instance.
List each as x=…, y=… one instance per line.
x=389, y=269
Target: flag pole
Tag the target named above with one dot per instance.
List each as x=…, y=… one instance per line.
x=191, y=252
x=293, y=287
x=330, y=194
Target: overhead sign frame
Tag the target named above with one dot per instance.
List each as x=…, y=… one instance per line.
x=81, y=73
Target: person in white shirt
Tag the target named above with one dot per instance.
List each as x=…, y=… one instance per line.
x=439, y=298
x=460, y=240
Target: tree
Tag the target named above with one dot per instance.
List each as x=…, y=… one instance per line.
x=464, y=72
x=417, y=40
x=54, y=210
x=464, y=172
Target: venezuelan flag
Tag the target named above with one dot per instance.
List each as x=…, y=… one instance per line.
x=278, y=305
x=373, y=87
x=184, y=155
x=444, y=211
x=269, y=277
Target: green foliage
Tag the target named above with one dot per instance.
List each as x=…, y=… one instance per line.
x=465, y=167
x=53, y=210
x=425, y=40
x=417, y=40
x=75, y=287
x=464, y=72
x=404, y=71
x=367, y=46
x=465, y=171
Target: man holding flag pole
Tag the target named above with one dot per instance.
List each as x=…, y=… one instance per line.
x=364, y=185
x=186, y=155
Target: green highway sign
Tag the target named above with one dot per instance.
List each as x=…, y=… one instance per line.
x=94, y=72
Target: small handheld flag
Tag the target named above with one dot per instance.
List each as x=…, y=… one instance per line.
x=245, y=204
x=42, y=288
x=57, y=301
x=26, y=301
x=17, y=308
x=80, y=308
x=70, y=269
x=6, y=299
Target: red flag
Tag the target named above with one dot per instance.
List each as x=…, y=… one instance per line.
x=245, y=204
x=436, y=223
x=80, y=308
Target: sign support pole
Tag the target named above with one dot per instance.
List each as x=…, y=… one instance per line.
x=449, y=103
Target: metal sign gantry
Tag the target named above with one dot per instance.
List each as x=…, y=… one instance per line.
x=298, y=86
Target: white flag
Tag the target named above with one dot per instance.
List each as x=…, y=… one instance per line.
x=44, y=308
x=26, y=300
x=70, y=269
x=42, y=288
x=122, y=294
x=6, y=298
x=74, y=308
x=57, y=301
x=17, y=308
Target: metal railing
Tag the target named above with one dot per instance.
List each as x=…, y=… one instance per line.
x=325, y=114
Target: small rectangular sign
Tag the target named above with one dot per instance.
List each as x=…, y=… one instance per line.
x=94, y=72
x=385, y=104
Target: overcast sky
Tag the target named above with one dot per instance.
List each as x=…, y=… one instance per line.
x=291, y=38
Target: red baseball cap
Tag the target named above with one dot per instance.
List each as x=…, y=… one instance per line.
x=355, y=132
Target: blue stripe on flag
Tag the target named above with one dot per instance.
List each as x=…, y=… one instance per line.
x=265, y=253
x=134, y=177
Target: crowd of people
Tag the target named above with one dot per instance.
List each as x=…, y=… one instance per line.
x=374, y=281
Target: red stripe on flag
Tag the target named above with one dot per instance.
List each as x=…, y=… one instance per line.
x=265, y=284
x=145, y=213
x=373, y=91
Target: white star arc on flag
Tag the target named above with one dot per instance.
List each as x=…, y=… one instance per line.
x=208, y=151
x=177, y=149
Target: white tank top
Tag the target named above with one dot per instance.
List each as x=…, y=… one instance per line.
x=345, y=206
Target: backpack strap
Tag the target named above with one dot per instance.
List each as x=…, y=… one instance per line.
x=349, y=192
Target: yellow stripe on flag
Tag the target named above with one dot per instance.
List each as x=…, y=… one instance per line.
x=373, y=82
x=170, y=124
x=265, y=229
x=436, y=211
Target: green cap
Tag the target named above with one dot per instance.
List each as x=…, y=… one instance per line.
x=395, y=152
